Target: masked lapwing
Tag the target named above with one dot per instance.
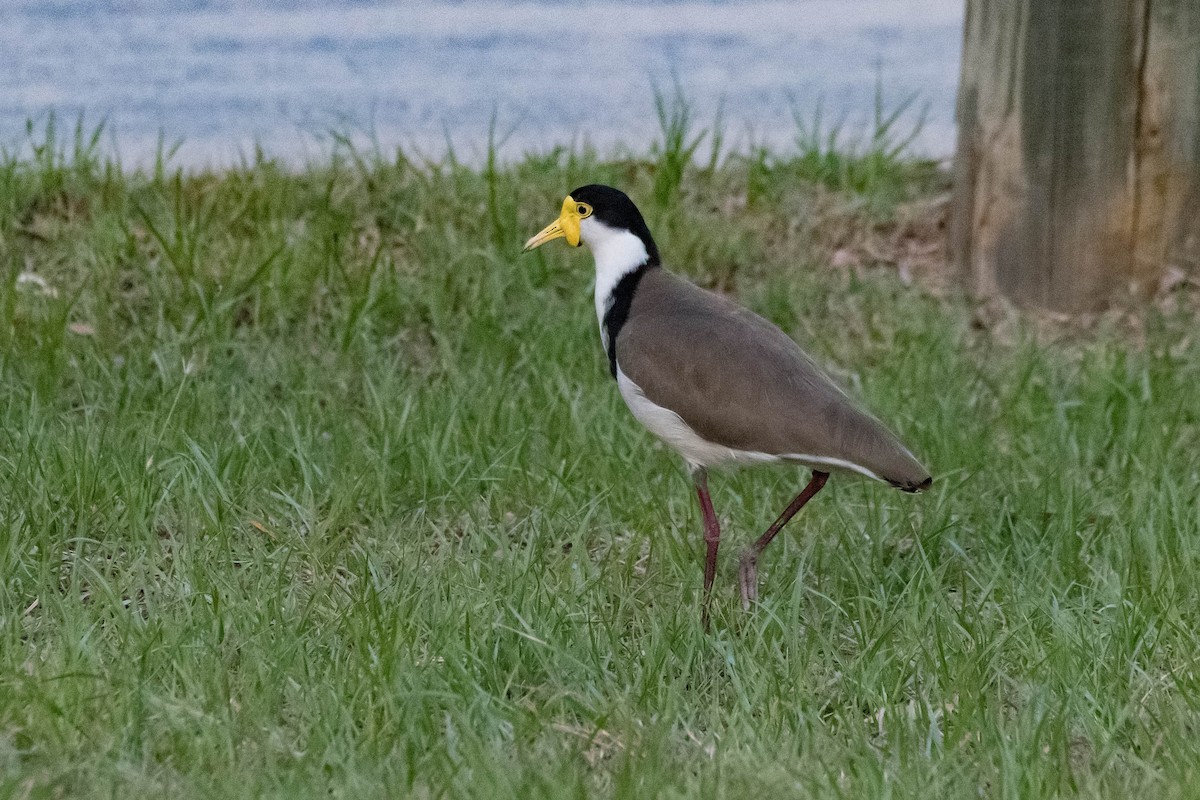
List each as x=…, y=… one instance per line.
x=716, y=382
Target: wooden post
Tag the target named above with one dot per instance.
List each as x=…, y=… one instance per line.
x=1077, y=176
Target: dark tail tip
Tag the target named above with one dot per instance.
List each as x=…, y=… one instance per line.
x=912, y=487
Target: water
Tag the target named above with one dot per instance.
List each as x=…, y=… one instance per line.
x=221, y=76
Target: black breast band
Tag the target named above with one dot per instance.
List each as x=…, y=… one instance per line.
x=618, y=311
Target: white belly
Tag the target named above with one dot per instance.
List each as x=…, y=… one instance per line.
x=670, y=427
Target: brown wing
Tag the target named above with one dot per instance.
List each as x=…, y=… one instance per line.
x=737, y=380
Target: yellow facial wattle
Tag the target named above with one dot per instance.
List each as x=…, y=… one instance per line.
x=565, y=227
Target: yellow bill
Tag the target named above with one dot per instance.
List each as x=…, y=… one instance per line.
x=566, y=226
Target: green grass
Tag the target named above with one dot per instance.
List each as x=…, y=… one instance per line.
x=311, y=486
x=879, y=167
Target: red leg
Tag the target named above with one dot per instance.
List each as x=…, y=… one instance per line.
x=748, y=568
x=712, y=537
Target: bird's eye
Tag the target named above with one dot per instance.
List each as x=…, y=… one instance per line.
x=584, y=210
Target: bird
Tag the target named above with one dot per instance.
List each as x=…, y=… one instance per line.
x=716, y=382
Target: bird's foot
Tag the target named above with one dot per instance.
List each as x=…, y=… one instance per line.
x=748, y=578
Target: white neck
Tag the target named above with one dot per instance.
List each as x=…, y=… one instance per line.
x=617, y=253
